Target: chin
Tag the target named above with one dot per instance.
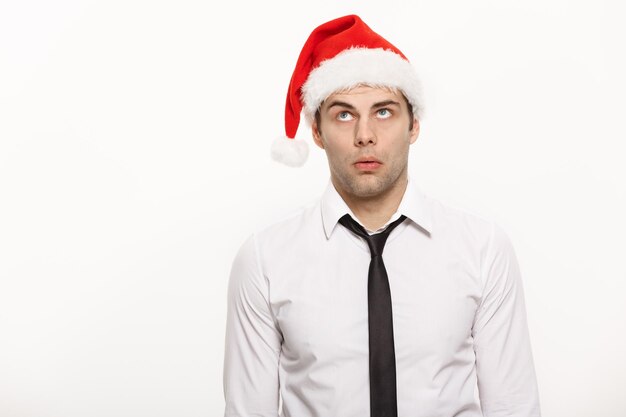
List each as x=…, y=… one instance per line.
x=368, y=187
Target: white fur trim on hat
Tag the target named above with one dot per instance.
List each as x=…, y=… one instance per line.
x=291, y=152
x=376, y=67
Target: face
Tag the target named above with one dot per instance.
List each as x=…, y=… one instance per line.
x=365, y=133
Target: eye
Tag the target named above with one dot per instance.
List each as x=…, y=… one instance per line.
x=383, y=113
x=344, y=116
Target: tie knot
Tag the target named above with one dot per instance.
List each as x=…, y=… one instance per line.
x=376, y=242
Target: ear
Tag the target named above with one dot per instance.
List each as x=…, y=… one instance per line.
x=415, y=131
x=317, y=135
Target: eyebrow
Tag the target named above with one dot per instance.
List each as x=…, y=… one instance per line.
x=351, y=107
x=341, y=104
x=385, y=103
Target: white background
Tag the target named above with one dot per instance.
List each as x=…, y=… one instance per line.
x=134, y=161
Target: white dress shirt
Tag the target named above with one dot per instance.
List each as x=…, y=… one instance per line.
x=297, y=326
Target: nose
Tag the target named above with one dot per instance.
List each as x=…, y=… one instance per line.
x=364, y=134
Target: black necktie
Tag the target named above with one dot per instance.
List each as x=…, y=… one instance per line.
x=383, y=400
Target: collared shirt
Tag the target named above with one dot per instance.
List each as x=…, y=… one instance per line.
x=297, y=322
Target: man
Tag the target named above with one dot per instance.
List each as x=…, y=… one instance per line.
x=376, y=301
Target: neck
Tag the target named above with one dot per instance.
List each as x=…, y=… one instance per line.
x=373, y=212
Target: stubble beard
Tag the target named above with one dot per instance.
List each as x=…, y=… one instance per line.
x=366, y=186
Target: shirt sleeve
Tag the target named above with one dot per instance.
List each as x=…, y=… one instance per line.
x=253, y=341
x=504, y=364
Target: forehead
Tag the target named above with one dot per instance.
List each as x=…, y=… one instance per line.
x=365, y=94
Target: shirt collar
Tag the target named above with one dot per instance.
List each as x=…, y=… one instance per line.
x=413, y=206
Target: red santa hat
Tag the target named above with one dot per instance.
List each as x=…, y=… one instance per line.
x=339, y=55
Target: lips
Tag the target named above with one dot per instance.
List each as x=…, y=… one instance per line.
x=367, y=163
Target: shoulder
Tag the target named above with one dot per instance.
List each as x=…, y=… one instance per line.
x=286, y=231
x=273, y=240
x=452, y=217
x=291, y=224
x=476, y=238
x=467, y=226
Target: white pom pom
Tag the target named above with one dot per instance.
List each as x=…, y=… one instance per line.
x=291, y=152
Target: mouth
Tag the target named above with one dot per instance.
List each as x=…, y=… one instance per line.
x=367, y=163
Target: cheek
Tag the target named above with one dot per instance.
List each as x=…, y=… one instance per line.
x=338, y=149
x=402, y=139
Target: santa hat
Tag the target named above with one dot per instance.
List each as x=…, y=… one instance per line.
x=339, y=55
